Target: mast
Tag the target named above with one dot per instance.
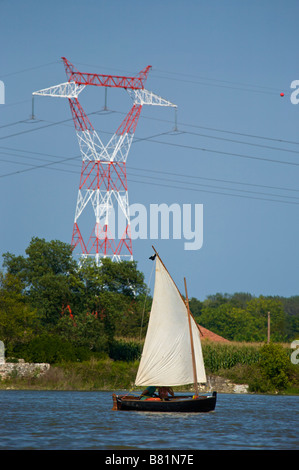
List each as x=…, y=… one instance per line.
x=189, y=322
x=191, y=341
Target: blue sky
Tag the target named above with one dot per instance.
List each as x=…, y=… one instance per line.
x=224, y=64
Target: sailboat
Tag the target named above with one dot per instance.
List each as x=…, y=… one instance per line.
x=172, y=353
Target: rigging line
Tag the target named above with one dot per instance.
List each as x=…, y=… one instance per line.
x=215, y=192
x=139, y=169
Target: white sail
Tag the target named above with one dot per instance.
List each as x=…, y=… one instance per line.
x=166, y=358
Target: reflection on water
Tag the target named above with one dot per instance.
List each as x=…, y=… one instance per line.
x=85, y=420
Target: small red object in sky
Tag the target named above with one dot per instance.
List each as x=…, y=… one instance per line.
x=281, y=94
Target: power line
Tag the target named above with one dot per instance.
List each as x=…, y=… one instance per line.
x=155, y=178
x=197, y=177
x=199, y=80
x=216, y=179
x=215, y=192
x=221, y=152
x=190, y=147
x=29, y=69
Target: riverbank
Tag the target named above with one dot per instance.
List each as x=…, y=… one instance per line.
x=108, y=375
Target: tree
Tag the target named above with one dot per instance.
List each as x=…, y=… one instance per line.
x=48, y=275
x=232, y=323
x=51, y=282
x=17, y=319
x=275, y=365
x=123, y=278
x=259, y=308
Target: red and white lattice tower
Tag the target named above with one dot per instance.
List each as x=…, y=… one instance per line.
x=103, y=182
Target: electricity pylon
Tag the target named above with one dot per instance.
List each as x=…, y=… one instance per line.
x=103, y=181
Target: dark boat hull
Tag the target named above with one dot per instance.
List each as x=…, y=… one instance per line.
x=178, y=404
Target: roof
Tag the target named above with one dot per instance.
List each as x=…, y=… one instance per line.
x=207, y=334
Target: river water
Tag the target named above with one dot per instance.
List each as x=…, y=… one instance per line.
x=61, y=420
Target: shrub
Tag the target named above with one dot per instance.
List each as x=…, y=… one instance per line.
x=121, y=350
x=50, y=349
x=275, y=365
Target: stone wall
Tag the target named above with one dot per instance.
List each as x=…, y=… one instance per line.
x=22, y=369
x=222, y=385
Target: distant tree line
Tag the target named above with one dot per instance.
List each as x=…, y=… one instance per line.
x=51, y=306
x=243, y=317
x=52, y=309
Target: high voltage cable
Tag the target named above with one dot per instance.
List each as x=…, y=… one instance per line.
x=152, y=139
x=139, y=169
x=29, y=69
x=154, y=70
x=190, y=147
x=216, y=192
x=48, y=166
x=216, y=80
x=210, y=83
x=231, y=154
x=197, y=126
x=195, y=79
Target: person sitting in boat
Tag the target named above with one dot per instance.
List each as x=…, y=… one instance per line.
x=149, y=392
x=164, y=392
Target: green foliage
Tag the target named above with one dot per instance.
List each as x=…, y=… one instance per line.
x=17, y=319
x=265, y=368
x=275, y=365
x=47, y=293
x=122, y=350
x=83, y=330
x=46, y=274
x=50, y=349
x=219, y=356
x=241, y=317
